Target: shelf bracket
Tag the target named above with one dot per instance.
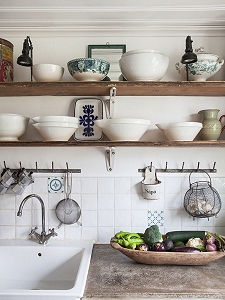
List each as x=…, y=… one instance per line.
x=109, y=103
x=110, y=157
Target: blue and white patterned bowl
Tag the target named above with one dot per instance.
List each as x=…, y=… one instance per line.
x=200, y=70
x=204, y=68
x=88, y=69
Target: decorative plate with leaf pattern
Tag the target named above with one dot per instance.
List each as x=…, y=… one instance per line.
x=88, y=110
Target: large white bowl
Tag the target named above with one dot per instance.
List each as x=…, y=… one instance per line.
x=143, y=65
x=180, y=131
x=67, y=119
x=12, y=126
x=47, y=72
x=56, y=131
x=123, y=129
x=88, y=69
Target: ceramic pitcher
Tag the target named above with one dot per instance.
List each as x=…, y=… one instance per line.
x=212, y=127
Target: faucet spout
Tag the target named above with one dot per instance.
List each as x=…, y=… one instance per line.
x=42, y=238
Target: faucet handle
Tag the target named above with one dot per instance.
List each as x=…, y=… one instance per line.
x=52, y=232
x=33, y=231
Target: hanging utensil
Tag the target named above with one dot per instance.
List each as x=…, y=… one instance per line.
x=68, y=210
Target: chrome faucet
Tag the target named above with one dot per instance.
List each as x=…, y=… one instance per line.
x=43, y=237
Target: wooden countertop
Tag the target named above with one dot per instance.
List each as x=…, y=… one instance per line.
x=113, y=275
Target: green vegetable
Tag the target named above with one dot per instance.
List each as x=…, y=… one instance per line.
x=178, y=243
x=121, y=234
x=184, y=236
x=152, y=235
x=128, y=239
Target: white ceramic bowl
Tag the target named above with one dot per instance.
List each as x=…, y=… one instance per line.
x=47, y=72
x=12, y=126
x=64, y=119
x=146, y=65
x=180, y=131
x=123, y=129
x=88, y=69
x=56, y=131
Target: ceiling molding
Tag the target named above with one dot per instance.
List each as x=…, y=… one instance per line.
x=79, y=17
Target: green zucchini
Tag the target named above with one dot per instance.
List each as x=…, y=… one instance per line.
x=184, y=236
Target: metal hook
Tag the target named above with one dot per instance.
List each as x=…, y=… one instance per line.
x=36, y=166
x=214, y=165
x=150, y=167
x=20, y=165
x=4, y=164
x=182, y=166
x=67, y=167
x=52, y=166
x=198, y=166
x=166, y=166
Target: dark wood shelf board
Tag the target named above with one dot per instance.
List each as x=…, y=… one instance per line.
x=71, y=143
x=124, y=88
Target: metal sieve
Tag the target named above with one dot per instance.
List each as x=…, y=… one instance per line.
x=68, y=210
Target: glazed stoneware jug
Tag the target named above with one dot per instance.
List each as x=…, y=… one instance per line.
x=212, y=127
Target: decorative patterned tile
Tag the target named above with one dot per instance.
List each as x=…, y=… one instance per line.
x=156, y=217
x=56, y=185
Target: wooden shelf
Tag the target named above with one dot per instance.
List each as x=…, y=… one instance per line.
x=124, y=88
x=72, y=143
x=102, y=88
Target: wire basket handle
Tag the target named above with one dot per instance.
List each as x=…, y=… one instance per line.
x=210, y=181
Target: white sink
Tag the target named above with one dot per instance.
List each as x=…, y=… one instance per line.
x=32, y=271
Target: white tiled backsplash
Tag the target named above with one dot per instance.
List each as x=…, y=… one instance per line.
x=108, y=205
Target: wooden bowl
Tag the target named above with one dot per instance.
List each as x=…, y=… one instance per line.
x=169, y=258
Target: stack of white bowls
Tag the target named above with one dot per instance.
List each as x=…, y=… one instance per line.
x=56, y=128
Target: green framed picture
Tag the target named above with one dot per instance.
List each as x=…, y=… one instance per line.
x=110, y=53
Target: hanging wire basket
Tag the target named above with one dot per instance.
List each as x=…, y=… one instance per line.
x=202, y=200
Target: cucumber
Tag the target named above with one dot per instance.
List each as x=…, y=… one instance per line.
x=184, y=236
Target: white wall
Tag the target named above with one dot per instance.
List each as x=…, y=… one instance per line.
x=111, y=201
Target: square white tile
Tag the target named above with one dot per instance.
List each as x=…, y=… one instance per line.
x=105, y=185
x=89, y=185
x=89, y=202
x=106, y=218
x=122, y=185
x=122, y=201
x=105, y=201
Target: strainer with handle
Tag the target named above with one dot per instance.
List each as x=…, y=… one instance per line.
x=68, y=210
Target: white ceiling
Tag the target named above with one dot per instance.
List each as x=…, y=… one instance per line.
x=112, y=15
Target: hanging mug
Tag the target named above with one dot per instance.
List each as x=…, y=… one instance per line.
x=212, y=127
